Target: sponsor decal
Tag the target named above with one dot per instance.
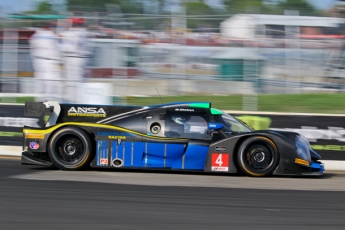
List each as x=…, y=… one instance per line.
x=215, y=125
x=114, y=134
x=220, y=149
x=103, y=161
x=86, y=112
x=34, y=145
x=34, y=136
x=117, y=137
x=185, y=110
x=220, y=162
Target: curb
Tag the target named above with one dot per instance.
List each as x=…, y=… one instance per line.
x=16, y=151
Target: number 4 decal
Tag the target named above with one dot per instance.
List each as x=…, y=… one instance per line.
x=220, y=162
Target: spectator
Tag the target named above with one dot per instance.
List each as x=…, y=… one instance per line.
x=76, y=51
x=44, y=44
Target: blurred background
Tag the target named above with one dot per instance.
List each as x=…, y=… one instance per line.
x=252, y=55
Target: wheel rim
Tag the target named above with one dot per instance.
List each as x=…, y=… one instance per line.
x=70, y=150
x=259, y=158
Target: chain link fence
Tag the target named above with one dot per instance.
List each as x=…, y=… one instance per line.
x=191, y=54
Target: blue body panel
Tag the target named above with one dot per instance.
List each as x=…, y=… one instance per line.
x=135, y=154
x=151, y=154
x=317, y=165
x=155, y=155
x=127, y=153
x=195, y=157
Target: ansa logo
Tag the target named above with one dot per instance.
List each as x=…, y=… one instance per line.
x=86, y=112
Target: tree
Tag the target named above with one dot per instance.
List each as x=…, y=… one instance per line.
x=301, y=5
x=132, y=7
x=127, y=6
x=267, y=7
x=200, y=15
x=43, y=7
x=240, y=6
x=160, y=5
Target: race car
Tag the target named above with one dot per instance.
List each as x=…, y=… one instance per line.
x=181, y=136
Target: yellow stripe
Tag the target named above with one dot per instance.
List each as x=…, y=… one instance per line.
x=302, y=162
x=49, y=130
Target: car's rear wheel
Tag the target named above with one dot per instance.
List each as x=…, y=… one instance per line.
x=258, y=156
x=70, y=148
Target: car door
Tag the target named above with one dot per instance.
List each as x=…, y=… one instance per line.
x=191, y=124
x=175, y=142
x=161, y=151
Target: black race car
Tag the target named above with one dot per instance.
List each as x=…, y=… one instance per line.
x=175, y=136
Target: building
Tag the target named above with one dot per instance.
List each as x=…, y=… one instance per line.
x=252, y=26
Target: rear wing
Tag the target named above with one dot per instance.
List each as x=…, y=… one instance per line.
x=48, y=111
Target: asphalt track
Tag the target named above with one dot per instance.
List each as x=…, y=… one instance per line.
x=44, y=198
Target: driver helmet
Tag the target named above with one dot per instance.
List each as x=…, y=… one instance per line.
x=179, y=119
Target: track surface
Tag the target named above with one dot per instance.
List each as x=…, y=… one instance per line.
x=42, y=198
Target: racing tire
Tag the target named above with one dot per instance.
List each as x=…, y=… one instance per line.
x=70, y=148
x=258, y=156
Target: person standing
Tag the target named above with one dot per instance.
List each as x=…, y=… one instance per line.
x=76, y=51
x=46, y=56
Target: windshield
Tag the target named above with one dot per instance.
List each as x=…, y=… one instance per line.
x=231, y=124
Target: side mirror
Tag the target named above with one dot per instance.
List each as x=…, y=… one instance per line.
x=215, y=125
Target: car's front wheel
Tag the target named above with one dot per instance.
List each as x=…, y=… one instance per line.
x=70, y=148
x=258, y=156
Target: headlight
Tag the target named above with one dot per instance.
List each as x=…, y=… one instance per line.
x=302, y=149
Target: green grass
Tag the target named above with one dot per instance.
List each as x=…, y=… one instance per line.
x=16, y=99
x=311, y=103
x=293, y=103
x=220, y=102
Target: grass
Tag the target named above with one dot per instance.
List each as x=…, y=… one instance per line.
x=16, y=99
x=311, y=103
x=294, y=103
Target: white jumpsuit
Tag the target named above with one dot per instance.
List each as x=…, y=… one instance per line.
x=46, y=58
x=76, y=52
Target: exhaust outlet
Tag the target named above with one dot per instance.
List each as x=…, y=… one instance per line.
x=117, y=162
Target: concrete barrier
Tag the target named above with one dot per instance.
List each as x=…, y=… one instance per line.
x=10, y=150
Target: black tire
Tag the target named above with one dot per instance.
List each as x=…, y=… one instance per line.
x=70, y=148
x=258, y=156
